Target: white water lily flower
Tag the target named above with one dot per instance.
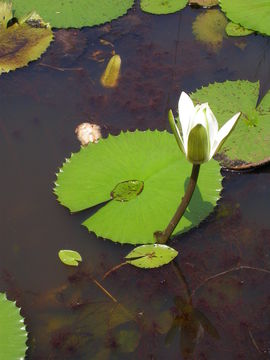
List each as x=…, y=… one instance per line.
x=200, y=138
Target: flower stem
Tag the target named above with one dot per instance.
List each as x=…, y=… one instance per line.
x=163, y=236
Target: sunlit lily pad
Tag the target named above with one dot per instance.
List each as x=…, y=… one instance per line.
x=253, y=15
x=22, y=41
x=70, y=257
x=13, y=335
x=65, y=14
x=151, y=256
x=209, y=28
x=249, y=143
x=233, y=29
x=162, y=6
x=149, y=158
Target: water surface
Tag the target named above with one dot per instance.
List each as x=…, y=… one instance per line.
x=223, y=267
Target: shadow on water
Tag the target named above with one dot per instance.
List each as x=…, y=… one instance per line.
x=132, y=314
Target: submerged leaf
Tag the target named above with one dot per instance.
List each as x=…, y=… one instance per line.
x=162, y=6
x=151, y=256
x=253, y=15
x=23, y=41
x=127, y=340
x=150, y=158
x=110, y=76
x=87, y=133
x=206, y=324
x=13, y=335
x=65, y=14
x=249, y=143
x=209, y=28
x=204, y=3
x=70, y=257
x=233, y=29
x=190, y=323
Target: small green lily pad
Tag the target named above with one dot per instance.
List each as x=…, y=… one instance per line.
x=249, y=143
x=151, y=158
x=151, y=256
x=233, y=29
x=70, y=257
x=253, y=15
x=160, y=7
x=13, y=335
x=79, y=13
x=127, y=190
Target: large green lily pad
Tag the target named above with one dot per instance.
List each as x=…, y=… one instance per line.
x=249, y=143
x=151, y=159
x=22, y=41
x=79, y=13
x=251, y=14
x=13, y=335
x=160, y=7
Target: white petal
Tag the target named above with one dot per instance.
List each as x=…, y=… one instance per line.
x=199, y=117
x=212, y=126
x=224, y=132
x=176, y=132
x=186, y=111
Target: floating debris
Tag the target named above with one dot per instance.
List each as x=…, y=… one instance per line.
x=110, y=77
x=87, y=133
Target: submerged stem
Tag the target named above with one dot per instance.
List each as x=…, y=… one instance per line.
x=163, y=236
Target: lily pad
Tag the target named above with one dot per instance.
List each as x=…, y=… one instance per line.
x=153, y=159
x=209, y=28
x=22, y=41
x=160, y=7
x=233, y=29
x=249, y=143
x=254, y=15
x=79, y=13
x=70, y=257
x=13, y=335
x=151, y=256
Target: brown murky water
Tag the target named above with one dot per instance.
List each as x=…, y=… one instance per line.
x=217, y=292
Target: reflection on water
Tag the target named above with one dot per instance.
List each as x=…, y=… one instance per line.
x=188, y=321
x=68, y=314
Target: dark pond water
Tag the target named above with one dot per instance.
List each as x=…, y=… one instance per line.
x=219, y=287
